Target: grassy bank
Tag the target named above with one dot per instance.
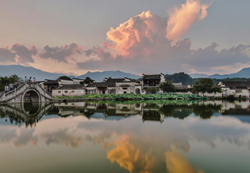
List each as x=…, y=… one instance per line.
x=117, y=97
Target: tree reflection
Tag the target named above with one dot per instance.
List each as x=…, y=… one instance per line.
x=205, y=111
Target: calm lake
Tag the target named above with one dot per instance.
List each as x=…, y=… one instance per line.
x=150, y=137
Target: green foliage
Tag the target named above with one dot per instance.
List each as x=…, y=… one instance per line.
x=184, y=78
x=216, y=90
x=203, y=85
x=152, y=90
x=167, y=87
x=135, y=97
x=88, y=80
x=7, y=80
x=205, y=111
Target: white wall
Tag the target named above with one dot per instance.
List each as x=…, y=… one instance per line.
x=68, y=92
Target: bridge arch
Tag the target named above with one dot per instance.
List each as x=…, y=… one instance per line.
x=31, y=96
x=26, y=92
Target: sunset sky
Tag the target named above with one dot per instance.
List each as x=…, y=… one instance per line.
x=136, y=36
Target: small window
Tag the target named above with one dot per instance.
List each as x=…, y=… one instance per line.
x=59, y=91
x=124, y=88
x=65, y=91
x=73, y=91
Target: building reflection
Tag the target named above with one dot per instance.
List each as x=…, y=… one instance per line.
x=30, y=114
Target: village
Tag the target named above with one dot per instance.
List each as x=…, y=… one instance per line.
x=147, y=84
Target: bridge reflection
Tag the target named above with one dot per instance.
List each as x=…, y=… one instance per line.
x=29, y=114
x=25, y=113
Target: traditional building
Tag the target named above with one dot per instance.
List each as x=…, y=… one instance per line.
x=153, y=80
x=115, y=86
x=50, y=85
x=65, y=86
x=129, y=87
x=180, y=87
x=238, y=89
x=69, y=90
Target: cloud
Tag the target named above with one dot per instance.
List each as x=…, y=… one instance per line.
x=62, y=137
x=25, y=136
x=6, y=55
x=182, y=18
x=177, y=163
x=61, y=53
x=140, y=45
x=146, y=43
x=139, y=34
x=209, y=57
x=18, y=54
x=24, y=54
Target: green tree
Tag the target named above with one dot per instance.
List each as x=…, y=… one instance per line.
x=205, y=111
x=203, y=85
x=152, y=90
x=216, y=90
x=184, y=78
x=7, y=80
x=167, y=87
x=88, y=80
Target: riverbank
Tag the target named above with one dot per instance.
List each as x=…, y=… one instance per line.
x=126, y=97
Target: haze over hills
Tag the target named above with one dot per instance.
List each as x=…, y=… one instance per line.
x=21, y=71
x=244, y=73
x=99, y=76
x=199, y=75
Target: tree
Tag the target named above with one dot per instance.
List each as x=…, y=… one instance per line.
x=184, y=78
x=7, y=80
x=152, y=90
x=216, y=90
x=88, y=80
x=167, y=87
x=203, y=85
x=205, y=111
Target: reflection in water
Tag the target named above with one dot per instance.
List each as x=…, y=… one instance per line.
x=177, y=163
x=30, y=113
x=31, y=108
x=27, y=113
x=174, y=137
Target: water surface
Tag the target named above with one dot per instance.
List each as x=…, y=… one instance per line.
x=157, y=137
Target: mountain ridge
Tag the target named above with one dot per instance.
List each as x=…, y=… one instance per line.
x=22, y=71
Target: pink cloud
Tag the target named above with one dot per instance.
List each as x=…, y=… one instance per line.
x=182, y=18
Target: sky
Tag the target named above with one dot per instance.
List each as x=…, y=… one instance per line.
x=136, y=36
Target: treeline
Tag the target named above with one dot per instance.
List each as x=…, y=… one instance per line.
x=8, y=80
x=185, y=79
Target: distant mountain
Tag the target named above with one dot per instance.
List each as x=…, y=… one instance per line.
x=99, y=76
x=199, y=75
x=244, y=73
x=21, y=71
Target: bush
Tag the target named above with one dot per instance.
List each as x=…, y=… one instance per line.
x=152, y=90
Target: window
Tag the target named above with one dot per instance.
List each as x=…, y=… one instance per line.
x=59, y=91
x=124, y=88
x=65, y=91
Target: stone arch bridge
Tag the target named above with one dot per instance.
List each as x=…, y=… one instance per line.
x=26, y=92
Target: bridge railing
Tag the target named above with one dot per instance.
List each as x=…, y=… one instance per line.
x=16, y=92
x=45, y=94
